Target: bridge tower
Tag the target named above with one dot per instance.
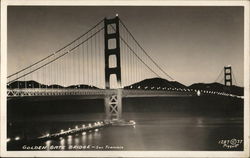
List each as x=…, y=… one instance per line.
x=228, y=75
x=113, y=102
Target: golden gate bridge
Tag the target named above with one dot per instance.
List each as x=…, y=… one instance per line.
x=104, y=62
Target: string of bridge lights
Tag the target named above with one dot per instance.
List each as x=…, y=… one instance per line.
x=95, y=127
x=83, y=129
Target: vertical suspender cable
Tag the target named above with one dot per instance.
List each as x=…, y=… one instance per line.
x=84, y=65
x=92, y=61
x=87, y=45
x=79, y=64
x=96, y=59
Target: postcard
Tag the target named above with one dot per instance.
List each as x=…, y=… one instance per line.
x=125, y=78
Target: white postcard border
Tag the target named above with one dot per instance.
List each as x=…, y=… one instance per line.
x=3, y=120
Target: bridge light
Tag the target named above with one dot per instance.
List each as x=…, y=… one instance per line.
x=61, y=130
x=133, y=122
x=69, y=128
x=17, y=138
x=8, y=139
x=76, y=127
x=47, y=135
x=83, y=126
x=83, y=133
x=89, y=125
x=96, y=130
x=198, y=93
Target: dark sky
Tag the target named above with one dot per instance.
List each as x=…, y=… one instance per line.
x=192, y=44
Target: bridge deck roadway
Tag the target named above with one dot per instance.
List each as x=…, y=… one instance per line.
x=96, y=93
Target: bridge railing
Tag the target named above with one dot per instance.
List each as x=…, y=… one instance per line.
x=106, y=92
x=134, y=93
x=101, y=92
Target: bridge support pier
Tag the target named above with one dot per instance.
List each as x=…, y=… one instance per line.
x=113, y=105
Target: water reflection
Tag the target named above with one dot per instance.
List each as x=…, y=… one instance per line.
x=84, y=137
x=69, y=140
x=48, y=143
x=62, y=141
x=76, y=141
x=89, y=138
x=97, y=135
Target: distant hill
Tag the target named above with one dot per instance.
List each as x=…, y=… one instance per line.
x=82, y=86
x=159, y=82
x=34, y=84
x=149, y=83
x=218, y=87
x=155, y=82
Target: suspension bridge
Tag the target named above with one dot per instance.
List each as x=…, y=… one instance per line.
x=105, y=62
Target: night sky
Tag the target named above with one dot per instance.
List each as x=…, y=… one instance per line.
x=192, y=44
